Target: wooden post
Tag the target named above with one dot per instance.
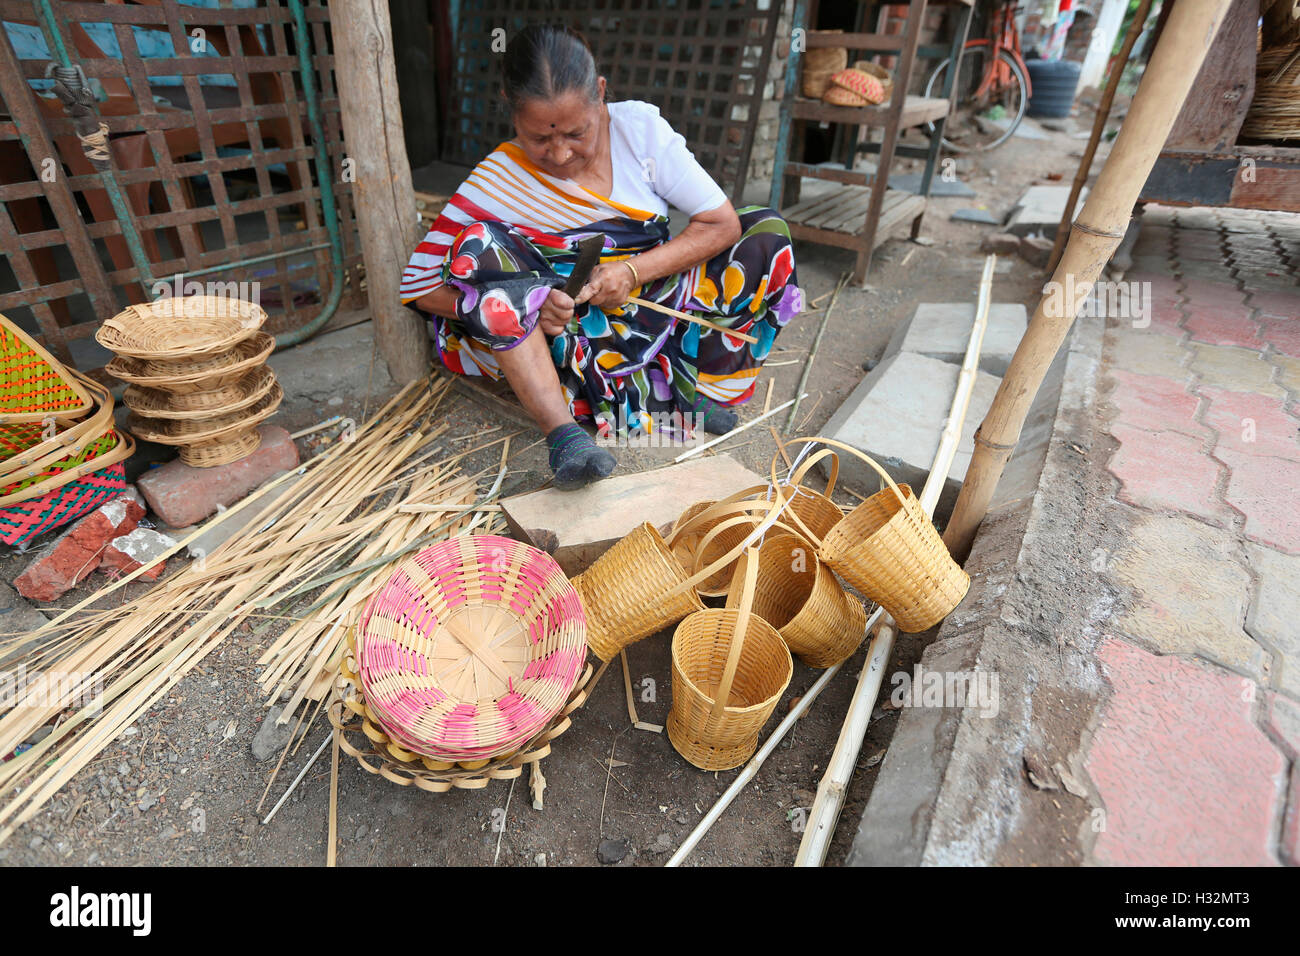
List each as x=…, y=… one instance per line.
x=1093, y=239
x=376, y=153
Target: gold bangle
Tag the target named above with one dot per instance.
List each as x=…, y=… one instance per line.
x=636, y=279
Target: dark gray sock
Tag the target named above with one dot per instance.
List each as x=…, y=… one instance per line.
x=575, y=458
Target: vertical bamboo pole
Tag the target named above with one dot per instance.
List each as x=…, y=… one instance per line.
x=385, y=199
x=1094, y=237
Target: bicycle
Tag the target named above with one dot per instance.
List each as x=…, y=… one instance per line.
x=991, y=92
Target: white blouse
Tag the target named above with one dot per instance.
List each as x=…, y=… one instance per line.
x=653, y=168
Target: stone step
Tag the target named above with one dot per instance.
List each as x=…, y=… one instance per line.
x=941, y=330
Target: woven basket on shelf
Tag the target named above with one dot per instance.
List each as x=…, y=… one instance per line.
x=203, y=375
x=862, y=84
x=187, y=327
x=880, y=73
x=888, y=549
x=730, y=667
x=470, y=649
x=839, y=96
x=818, y=65
x=1274, y=113
x=34, y=385
x=157, y=403
x=797, y=594
x=361, y=737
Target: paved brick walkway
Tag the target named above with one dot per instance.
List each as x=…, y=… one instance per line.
x=1195, y=755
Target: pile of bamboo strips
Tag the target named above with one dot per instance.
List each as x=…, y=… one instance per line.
x=342, y=519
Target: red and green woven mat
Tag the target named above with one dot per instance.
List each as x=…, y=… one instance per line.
x=23, y=521
x=32, y=382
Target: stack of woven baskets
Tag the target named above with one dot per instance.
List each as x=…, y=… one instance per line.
x=197, y=374
x=60, y=455
x=731, y=665
x=828, y=77
x=464, y=666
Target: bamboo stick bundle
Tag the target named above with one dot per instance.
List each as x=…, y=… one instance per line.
x=340, y=509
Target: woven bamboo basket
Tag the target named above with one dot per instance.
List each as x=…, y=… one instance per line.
x=159, y=403
x=880, y=73
x=470, y=649
x=707, y=529
x=34, y=385
x=203, y=375
x=184, y=328
x=633, y=590
x=22, y=521
x=863, y=84
x=818, y=65
x=27, y=447
x=172, y=431
x=232, y=446
x=888, y=549
x=730, y=667
x=361, y=737
x=101, y=451
x=1274, y=113
x=819, y=621
x=813, y=512
x=839, y=96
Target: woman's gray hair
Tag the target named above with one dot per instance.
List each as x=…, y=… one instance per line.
x=544, y=61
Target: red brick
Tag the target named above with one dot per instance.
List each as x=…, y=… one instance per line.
x=1155, y=403
x=182, y=495
x=77, y=551
x=1262, y=489
x=132, y=551
x=1235, y=414
x=1185, y=775
x=1166, y=471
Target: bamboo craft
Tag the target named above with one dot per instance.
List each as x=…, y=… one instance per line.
x=339, y=519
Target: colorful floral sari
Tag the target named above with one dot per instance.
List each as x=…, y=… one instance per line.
x=515, y=233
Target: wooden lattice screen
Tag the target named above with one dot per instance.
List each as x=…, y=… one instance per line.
x=211, y=147
x=702, y=62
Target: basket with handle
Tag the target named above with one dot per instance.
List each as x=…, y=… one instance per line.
x=815, y=510
x=34, y=385
x=638, y=587
x=181, y=327
x=888, y=549
x=470, y=648
x=797, y=594
x=730, y=667
x=694, y=544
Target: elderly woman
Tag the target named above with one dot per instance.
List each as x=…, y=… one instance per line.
x=492, y=269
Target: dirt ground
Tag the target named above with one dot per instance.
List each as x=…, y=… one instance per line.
x=183, y=787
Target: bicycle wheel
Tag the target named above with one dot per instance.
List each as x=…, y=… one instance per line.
x=979, y=121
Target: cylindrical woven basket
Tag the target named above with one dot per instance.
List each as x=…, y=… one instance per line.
x=1274, y=113
x=360, y=736
x=203, y=375
x=626, y=592
x=819, y=621
x=814, y=510
x=888, y=549
x=730, y=667
x=186, y=327
x=470, y=648
x=160, y=403
x=818, y=65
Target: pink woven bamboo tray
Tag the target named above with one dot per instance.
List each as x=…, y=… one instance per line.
x=471, y=647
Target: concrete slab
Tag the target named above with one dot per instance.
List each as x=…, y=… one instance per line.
x=577, y=527
x=896, y=415
x=941, y=330
x=911, y=183
x=1039, y=210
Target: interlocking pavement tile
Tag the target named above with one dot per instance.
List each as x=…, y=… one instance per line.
x=1263, y=489
x=1189, y=592
x=1284, y=722
x=1223, y=325
x=1251, y=424
x=1167, y=471
x=1185, y=775
x=1289, y=372
x=1282, y=334
x=1148, y=354
x=1155, y=403
x=1273, y=616
x=1241, y=370
x=1211, y=294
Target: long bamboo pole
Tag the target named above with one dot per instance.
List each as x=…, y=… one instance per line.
x=834, y=785
x=1094, y=237
x=1098, y=126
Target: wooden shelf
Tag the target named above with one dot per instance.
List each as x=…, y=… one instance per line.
x=917, y=110
x=837, y=218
